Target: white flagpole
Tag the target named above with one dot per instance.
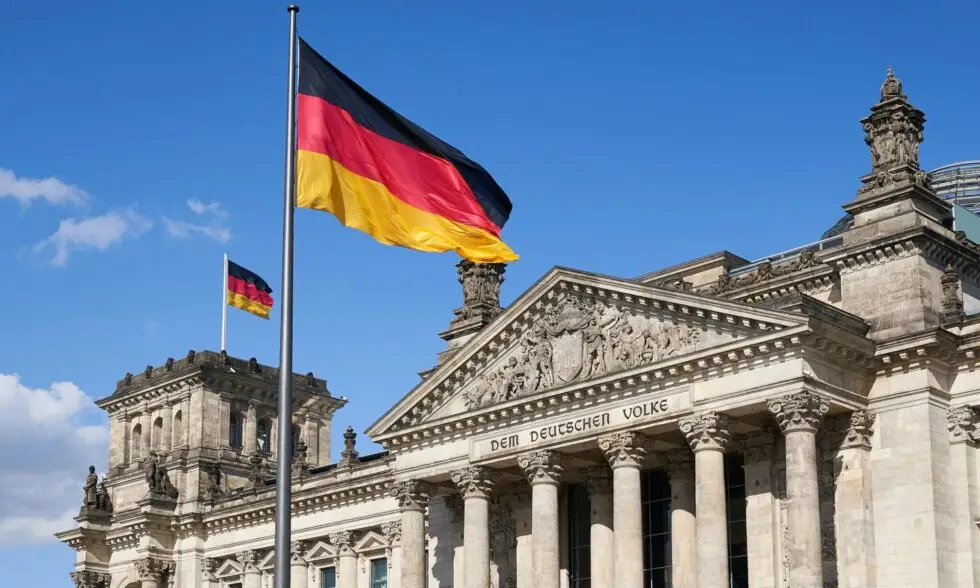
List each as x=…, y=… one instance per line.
x=224, y=306
x=284, y=490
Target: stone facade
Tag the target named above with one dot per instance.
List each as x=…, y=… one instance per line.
x=802, y=421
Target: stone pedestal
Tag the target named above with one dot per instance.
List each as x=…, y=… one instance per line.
x=625, y=453
x=854, y=519
x=799, y=416
x=602, y=547
x=344, y=542
x=543, y=470
x=413, y=498
x=299, y=576
x=475, y=485
x=683, y=522
x=708, y=435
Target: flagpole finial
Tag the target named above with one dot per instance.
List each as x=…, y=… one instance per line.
x=293, y=8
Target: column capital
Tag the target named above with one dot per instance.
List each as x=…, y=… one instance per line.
x=411, y=494
x=343, y=541
x=799, y=411
x=392, y=531
x=679, y=464
x=963, y=423
x=151, y=568
x=474, y=481
x=625, y=449
x=541, y=467
x=758, y=446
x=860, y=427
x=297, y=549
x=599, y=480
x=89, y=579
x=208, y=568
x=249, y=560
x=706, y=431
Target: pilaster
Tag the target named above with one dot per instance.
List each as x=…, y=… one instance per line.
x=854, y=517
x=964, y=431
x=761, y=510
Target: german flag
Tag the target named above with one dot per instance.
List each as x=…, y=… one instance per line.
x=247, y=291
x=384, y=175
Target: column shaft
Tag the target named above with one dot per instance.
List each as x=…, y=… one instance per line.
x=628, y=525
x=683, y=522
x=602, y=541
x=146, y=424
x=249, y=431
x=346, y=571
x=413, y=549
x=854, y=518
x=543, y=470
x=476, y=542
x=166, y=434
x=299, y=575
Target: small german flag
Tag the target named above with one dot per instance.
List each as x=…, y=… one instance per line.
x=247, y=291
x=384, y=175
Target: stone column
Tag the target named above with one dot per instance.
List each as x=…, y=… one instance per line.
x=146, y=426
x=392, y=532
x=625, y=453
x=758, y=449
x=707, y=434
x=543, y=470
x=683, y=522
x=166, y=434
x=153, y=572
x=964, y=427
x=347, y=559
x=311, y=436
x=299, y=576
x=413, y=498
x=602, y=549
x=251, y=575
x=799, y=416
x=249, y=430
x=475, y=485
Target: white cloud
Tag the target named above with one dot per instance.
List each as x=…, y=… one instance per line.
x=45, y=450
x=97, y=232
x=198, y=207
x=186, y=230
x=26, y=190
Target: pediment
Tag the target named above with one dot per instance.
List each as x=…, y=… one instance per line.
x=321, y=551
x=268, y=561
x=370, y=541
x=229, y=568
x=572, y=327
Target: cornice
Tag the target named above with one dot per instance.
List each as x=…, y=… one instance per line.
x=495, y=339
x=814, y=280
x=931, y=345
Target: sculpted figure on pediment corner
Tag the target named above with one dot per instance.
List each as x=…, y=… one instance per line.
x=578, y=339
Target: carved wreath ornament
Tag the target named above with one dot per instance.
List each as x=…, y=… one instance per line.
x=579, y=338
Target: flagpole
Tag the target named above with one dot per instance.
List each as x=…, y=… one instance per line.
x=224, y=307
x=285, y=432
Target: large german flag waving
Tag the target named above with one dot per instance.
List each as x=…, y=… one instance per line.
x=382, y=174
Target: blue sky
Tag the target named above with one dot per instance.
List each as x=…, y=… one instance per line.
x=141, y=140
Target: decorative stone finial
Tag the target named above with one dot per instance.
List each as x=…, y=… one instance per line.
x=169, y=366
x=481, y=290
x=310, y=380
x=348, y=456
x=893, y=131
x=952, y=303
x=191, y=356
x=253, y=366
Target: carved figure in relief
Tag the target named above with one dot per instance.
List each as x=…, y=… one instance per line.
x=537, y=357
x=595, y=349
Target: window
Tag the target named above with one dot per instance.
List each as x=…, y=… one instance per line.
x=262, y=436
x=379, y=573
x=738, y=556
x=235, y=431
x=328, y=578
x=655, y=498
x=178, y=429
x=579, y=537
x=134, y=443
x=157, y=433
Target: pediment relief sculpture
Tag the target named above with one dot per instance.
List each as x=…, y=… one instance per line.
x=580, y=338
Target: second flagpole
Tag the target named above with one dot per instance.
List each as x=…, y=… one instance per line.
x=283, y=522
x=224, y=307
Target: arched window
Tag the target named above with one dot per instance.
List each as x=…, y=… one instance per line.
x=296, y=432
x=178, y=429
x=262, y=436
x=156, y=435
x=135, y=441
x=234, y=431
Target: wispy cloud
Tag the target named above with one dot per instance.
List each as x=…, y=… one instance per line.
x=213, y=208
x=95, y=233
x=216, y=229
x=27, y=190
